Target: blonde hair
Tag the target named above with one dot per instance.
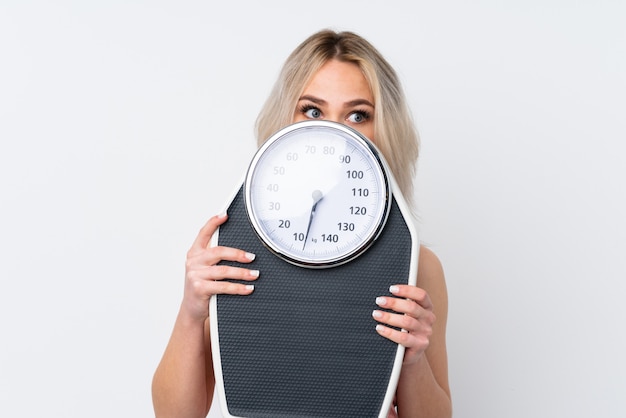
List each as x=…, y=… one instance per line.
x=394, y=130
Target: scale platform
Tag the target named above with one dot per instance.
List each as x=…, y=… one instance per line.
x=304, y=343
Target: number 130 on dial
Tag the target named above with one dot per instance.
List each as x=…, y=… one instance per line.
x=317, y=193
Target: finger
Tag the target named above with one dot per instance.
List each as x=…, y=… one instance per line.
x=223, y=272
x=413, y=293
x=404, y=338
x=212, y=287
x=214, y=255
x=204, y=236
x=407, y=307
x=405, y=322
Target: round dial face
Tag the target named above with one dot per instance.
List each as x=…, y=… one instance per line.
x=317, y=193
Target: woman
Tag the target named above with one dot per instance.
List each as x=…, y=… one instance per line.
x=338, y=77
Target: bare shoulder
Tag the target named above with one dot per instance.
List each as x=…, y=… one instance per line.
x=429, y=270
x=430, y=277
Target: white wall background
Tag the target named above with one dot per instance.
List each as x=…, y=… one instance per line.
x=125, y=125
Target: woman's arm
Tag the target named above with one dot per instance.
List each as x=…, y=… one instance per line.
x=183, y=383
x=423, y=389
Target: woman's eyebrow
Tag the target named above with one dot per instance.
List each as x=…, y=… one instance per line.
x=358, y=102
x=313, y=99
x=351, y=103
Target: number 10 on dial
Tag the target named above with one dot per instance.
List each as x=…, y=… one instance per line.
x=317, y=193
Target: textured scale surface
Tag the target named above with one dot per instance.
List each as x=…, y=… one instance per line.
x=304, y=344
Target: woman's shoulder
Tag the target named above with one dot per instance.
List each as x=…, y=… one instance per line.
x=430, y=275
x=428, y=261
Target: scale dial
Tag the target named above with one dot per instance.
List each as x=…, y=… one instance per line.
x=317, y=193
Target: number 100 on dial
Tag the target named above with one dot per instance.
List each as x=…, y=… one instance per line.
x=317, y=193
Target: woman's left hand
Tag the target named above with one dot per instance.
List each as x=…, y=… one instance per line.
x=413, y=313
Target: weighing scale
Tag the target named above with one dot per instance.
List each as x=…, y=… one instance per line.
x=331, y=232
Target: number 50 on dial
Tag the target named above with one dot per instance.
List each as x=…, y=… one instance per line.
x=317, y=193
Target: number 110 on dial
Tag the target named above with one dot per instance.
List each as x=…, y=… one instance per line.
x=317, y=193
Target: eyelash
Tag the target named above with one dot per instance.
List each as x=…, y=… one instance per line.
x=306, y=107
x=366, y=115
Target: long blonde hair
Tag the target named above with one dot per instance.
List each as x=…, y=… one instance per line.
x=395, y=132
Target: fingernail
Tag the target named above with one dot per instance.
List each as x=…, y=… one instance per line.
x=249, y=287
x=380, y=328
x=377, y=314
x=254, y=273
x=221, y=215
x=394, y=289
x=380, y=301
x=250, y=256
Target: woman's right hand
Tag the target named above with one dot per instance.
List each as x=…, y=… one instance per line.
x=204, y=278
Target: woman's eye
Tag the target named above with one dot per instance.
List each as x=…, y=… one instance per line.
x=313, y=113
x=358, y=117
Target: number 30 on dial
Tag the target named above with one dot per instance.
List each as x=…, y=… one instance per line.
x=317, y=193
